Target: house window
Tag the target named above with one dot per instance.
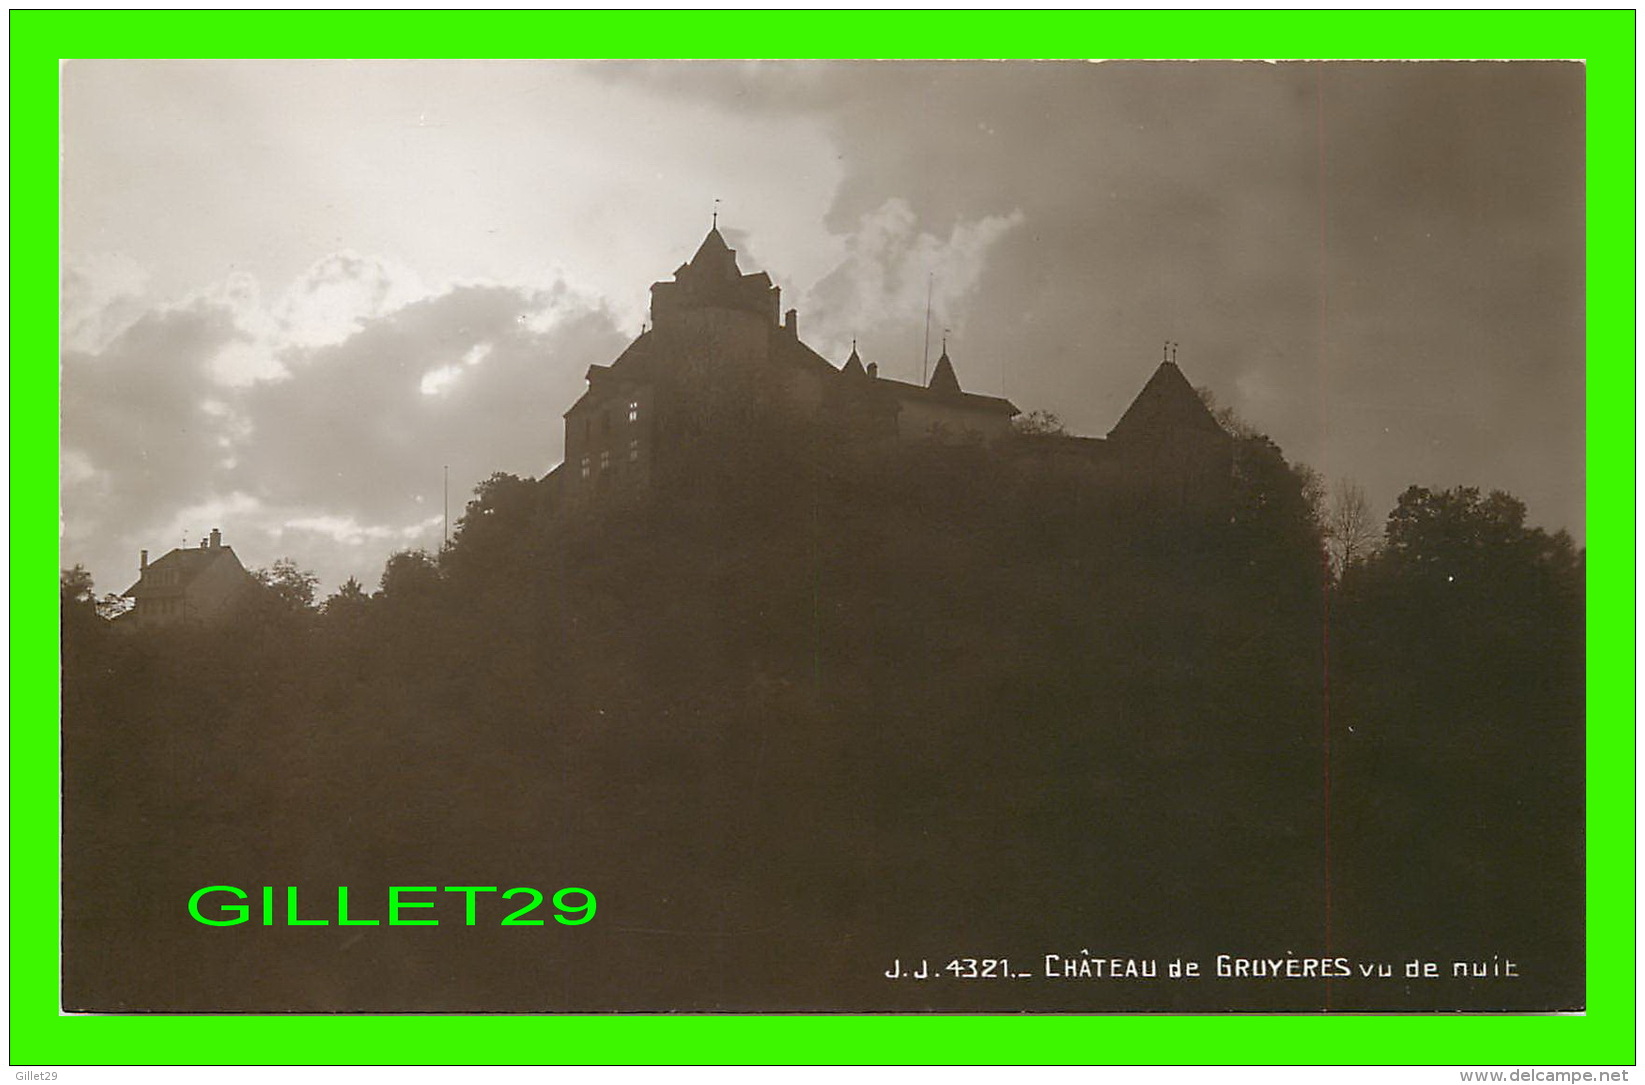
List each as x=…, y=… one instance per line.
x=605, y=459
x=588, y=428
x=633, y=410
x=605, y=422
x=585, y=466
x=634, y=450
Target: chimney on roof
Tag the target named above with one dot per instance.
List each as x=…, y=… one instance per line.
x=873, y=370
x=142, y=561
x=202, y=544
x=791, y=323
x=216, y=539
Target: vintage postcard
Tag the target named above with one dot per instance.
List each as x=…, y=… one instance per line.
x=826, y=536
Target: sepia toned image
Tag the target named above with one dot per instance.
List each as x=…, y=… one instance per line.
x=827, y=536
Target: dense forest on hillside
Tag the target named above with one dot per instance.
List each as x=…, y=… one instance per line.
x=811, y=706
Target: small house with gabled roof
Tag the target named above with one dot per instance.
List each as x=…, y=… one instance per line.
x=188, y=584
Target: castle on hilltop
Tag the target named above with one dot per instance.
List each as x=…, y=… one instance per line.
x=714, y=328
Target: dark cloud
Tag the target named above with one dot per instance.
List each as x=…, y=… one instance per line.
x=353, y=423
x=139, y=429
x=336, y=463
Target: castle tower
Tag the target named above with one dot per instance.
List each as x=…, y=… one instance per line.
x=1167, y=403
x=712, y=280
x=1175, y=456
x=714, y=337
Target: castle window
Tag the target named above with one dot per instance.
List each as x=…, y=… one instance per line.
x=585, y=466
x=633, y=410
x=605, y=459
x=634, y=450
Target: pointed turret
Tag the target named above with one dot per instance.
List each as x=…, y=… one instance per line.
x=711, y=279
x=942, y=377
x=853, y=365
x=1167, y=402
x=715, y=258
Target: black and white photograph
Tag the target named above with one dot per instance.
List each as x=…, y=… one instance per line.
x=822, y=536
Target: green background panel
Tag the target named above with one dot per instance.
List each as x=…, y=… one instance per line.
x=1604, y=1035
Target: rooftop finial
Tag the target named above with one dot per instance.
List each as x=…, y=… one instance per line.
x=945, y=342
x=716, y=213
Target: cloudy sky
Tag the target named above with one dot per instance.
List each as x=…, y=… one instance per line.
x=294, y=291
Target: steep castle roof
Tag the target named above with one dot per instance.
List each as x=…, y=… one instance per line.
x=1167, y=402
x=944, y=386
x=711, y=279
x=714, y=257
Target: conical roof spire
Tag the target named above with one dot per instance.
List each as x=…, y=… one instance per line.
x=942, y=377
x=1166, y=402
x=711, y=279
x=713, y=262
x=714, y=254
x=853, y=364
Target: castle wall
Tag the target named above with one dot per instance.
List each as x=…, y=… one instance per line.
x=924, y=418
x=610, y=438
x=706, y=346
x=1179, y=470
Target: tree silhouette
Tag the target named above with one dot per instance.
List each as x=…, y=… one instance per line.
x=347, y=601
x=409, y=576
x=75, y=586
x=778, y=700
x=292, y=586
x=1038, y=424
x=1351, y=532
x=1458, y=711
x=78, y=601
